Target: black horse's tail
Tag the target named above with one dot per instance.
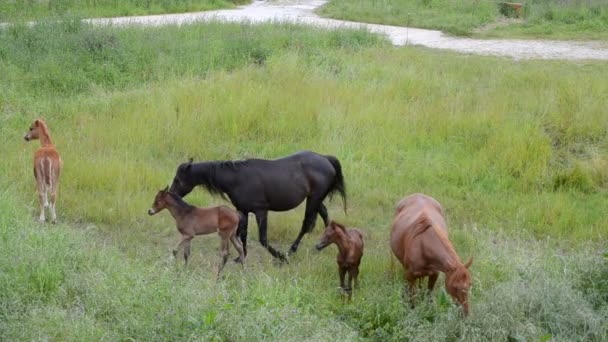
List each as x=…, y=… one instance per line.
x=338, y=185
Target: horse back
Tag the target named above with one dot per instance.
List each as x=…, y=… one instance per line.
x=416, y=217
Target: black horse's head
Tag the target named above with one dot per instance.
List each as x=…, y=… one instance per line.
x=182, y=182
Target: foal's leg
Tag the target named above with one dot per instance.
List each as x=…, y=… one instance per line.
x=355, y=273
x=310, y=218
x=239, y=248
x=223, y=255
x=53, y=201
x=261, y=217
x=185, y=243
x=42, y=198
x=342, y=271
x=187, y=251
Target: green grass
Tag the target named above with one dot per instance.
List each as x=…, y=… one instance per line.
x=515, y=151
x=570, y=19
x=455, y=17
x=26, y=10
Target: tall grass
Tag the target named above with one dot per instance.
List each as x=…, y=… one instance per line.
x=523, y=141
x=570, y=19
x=25, y=10
x=516, y=152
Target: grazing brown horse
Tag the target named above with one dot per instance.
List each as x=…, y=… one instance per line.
x=192, y=221
x=419, y=239
x=350, y=251
x=47, y=166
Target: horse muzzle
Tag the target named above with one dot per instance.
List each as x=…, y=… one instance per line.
x=320, y=246
x=26, y=137
x=151, y=211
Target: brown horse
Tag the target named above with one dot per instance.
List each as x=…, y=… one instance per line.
x=419, y=239
x=350, y=252
x=47, y=166
x=192, y=221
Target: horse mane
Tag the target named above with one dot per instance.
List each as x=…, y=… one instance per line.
x=230, y=164
x=44, y=131
x=180, y=202
x=209, y=179
x=423, y=223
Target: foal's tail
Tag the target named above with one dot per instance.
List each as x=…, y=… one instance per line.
x=338, y=184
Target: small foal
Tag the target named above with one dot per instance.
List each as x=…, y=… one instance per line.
x=191, y=221
x=350, y=251
x=47, y=166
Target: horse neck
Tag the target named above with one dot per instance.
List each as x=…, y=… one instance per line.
x=449, y=259
x=44, y=137
x=344, y=242
x=215, y=175
x=177, y=210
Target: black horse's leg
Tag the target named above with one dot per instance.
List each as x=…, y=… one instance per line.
x=323, y=214
x=310, y=218
x=241, y=231
x=261, y=217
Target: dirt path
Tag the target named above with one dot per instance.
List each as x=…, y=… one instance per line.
x=301, y=11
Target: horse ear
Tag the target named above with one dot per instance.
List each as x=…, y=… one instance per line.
x=337, y=225
x=37, y=122
x=166, y=189
x=189, y=164
x=469, y=262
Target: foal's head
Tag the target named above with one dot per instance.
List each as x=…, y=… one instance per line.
x=181, y=185
x=330, y=235
x=160, y=201
x=458, y=285
x=36, y=129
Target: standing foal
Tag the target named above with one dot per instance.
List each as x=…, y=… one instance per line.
x=192, y=221
x=47, y=166
x=350, y=251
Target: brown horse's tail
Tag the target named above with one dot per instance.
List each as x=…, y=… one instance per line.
x=338, y=184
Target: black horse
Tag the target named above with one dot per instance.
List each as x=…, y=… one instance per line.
x=259, y=185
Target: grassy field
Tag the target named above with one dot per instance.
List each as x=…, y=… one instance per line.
x=27, y=10
x=516, y=151
x=570, y=19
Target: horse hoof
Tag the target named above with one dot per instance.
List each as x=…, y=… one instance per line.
x=238, y=260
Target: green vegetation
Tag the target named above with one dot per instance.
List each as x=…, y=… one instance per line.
x=25, y=10
x=570, y=19
x=516, y=152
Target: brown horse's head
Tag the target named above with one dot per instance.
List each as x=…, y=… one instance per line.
x=330, y=235
x=458, y=285
x=36, y=130
x=160, y=201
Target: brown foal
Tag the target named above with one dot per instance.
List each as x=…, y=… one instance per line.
x=350, y=252
x=47, y=166
x=192, y=221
